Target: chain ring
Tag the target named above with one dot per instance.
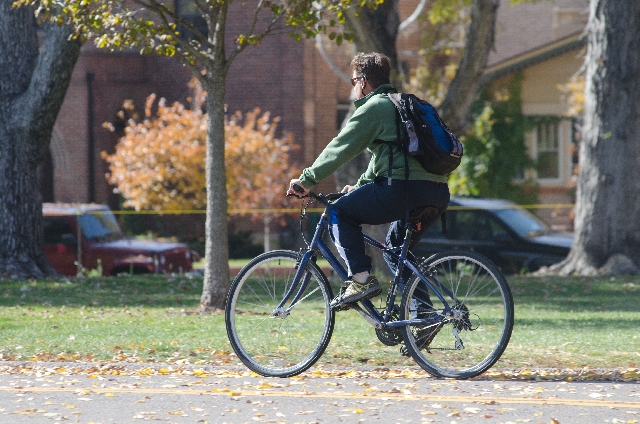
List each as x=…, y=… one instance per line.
x=390, y=337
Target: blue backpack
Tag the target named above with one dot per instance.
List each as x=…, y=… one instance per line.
x=426, y=138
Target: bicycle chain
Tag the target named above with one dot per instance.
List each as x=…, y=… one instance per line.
x=391, y=337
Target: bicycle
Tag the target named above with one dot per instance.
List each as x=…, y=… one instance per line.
x=455, y=316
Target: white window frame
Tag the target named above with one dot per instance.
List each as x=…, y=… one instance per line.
x=564, y=156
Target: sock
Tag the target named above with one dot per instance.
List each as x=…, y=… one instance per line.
x=360, y=277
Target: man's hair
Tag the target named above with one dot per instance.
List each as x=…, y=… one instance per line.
x=375, y=67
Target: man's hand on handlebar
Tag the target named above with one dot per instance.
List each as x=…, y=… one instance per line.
x=348, y=188
x=296, y=189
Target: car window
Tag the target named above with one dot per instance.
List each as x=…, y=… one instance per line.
x=476, y=225
x=100, y=226
x=435, y=230
x=55, y=229
x=523, y=222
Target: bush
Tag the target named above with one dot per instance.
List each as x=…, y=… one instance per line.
x=241, y=245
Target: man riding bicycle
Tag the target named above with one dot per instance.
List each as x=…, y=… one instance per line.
x=374, y=199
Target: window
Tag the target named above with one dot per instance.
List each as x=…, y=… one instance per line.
x=57, y=231
x=548, y=149
x=476, y=225
x=100, y=226
x=188, y=11
x=522, y=222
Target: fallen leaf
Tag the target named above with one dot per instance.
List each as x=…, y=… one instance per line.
x=25, y=411
x=265, y=386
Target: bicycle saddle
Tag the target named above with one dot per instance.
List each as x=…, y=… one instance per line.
x=423, y=213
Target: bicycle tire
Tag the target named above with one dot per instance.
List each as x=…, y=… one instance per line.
x=484, y=328
x=278, y=346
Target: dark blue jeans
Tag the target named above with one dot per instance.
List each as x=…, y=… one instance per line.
x=380, y=203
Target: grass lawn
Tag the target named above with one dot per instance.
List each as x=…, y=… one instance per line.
x=560, y=323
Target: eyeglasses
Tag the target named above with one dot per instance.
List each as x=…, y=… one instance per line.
x=355, y=79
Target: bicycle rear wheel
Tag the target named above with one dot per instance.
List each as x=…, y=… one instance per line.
x=478, y=292
x=284, y=344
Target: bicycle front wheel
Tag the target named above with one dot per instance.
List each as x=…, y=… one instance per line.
x=469, y=341
x=285, y=342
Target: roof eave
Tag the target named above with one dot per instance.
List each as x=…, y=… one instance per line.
x=532, y=57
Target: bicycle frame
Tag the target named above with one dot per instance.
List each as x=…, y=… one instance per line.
x=365, y=308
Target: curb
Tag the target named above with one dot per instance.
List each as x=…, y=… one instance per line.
x=630, y=375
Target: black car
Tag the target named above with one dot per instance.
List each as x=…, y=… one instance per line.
x=512, y=237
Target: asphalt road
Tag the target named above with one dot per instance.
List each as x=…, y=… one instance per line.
x=61, y=393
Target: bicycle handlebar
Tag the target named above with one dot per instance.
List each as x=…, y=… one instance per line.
x=325, y=200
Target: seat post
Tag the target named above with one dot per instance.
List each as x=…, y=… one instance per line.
x=408, y=234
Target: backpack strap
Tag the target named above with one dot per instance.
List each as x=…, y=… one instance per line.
x=412, y=136
x=400, y=143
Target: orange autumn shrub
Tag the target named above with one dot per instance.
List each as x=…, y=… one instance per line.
x=159, y=163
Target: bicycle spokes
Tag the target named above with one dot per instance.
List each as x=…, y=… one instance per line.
x=476, y=320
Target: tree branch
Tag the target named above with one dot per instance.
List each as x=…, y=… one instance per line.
x=162, y=12
x=329, y=61
x=217, y=24
x=268, y=30
x=463, y=88
x=413, y=17
x=40, y=104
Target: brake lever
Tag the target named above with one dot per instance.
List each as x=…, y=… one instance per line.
x=298, y=189
x=333, y=196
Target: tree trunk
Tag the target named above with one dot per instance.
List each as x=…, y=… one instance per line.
x=216, y=275
x=462, y=90
x=377, y=31
x=266, y=222
x=607, y=193
x=33, y=83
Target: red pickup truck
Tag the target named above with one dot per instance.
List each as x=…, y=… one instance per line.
x=89, y=234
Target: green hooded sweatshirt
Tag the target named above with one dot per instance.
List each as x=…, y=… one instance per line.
x=374, y=119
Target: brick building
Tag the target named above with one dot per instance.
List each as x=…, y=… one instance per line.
x=101, y=81
x=291, y=80
x=287, y=78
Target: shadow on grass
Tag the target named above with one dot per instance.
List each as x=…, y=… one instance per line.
x=548, y=294
x=577, y=294
x=579, y=324
x=147, y=290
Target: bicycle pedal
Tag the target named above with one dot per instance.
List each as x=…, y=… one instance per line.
x=342, y=307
